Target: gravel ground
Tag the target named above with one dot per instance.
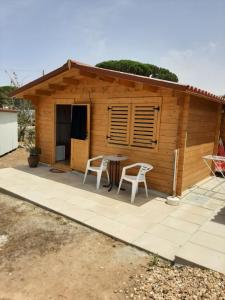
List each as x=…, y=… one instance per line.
x=177, y=282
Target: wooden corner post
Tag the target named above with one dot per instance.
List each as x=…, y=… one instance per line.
x=184, y=104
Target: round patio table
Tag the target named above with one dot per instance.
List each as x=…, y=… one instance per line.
x=114, y=169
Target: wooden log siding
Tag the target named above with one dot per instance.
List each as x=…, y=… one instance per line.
x=222, y=128
x=45, y=129
x=101, y=96
x=201, y=132
x=199, y=140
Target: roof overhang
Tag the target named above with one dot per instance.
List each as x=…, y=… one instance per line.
x=91, y=70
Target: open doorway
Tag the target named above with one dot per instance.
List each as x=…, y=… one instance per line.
x=63, y=134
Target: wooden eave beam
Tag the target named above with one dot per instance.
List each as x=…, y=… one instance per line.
x=70, y=80
x=40, y=92
x=87, y=74
x=106, y=79
x=56, y=87
x=30, y=97
x=126, y=83
x=150, y=88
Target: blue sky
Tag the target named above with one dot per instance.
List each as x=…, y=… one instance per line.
x=185, y=36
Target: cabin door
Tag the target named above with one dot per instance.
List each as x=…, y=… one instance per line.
x=80, y=136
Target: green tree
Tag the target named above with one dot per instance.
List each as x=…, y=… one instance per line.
x=138, y=68
x=5, y=99
x=25, y=118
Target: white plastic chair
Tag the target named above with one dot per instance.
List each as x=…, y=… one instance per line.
x=98, y=170
x=140, y=177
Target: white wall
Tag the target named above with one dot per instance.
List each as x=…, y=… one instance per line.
x=8, y=132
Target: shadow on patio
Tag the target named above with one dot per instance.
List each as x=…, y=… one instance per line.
x=220, y=216
x=75, y=179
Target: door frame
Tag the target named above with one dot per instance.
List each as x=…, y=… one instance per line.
x=88, y=130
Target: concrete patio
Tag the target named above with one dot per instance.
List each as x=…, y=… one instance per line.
x=194, y=231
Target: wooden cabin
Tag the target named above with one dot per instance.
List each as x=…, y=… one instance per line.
x=147, y=119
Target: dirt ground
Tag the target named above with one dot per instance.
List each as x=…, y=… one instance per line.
x=14, y=158
x=45, y=256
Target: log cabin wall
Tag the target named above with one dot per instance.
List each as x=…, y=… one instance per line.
x=222, y=128
x=101, y=95
x=201, y=139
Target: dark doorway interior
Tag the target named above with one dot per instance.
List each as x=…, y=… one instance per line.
x=79, y=122
x=63, y=132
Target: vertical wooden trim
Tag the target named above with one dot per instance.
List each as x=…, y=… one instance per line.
x=181, y=140
x=218, y=126
x=54, y=135
x=222, y=125
x=35, y=104
x=130, y=123
x=89, y=122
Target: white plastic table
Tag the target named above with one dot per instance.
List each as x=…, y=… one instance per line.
x=214, y=159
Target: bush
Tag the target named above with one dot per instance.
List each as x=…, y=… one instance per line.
x=138, y=68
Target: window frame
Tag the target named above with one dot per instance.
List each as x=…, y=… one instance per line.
x=131, y=105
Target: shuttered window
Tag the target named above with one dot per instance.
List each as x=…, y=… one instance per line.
x=144, y=125
x=134, y=125
x=119, y=117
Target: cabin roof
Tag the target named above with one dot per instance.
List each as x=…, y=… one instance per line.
x=70, y=64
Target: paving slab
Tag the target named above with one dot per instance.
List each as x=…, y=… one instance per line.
x=157, y=245
x=196, y=198
x=185, y=215
x=193, y=209
x=202, y=256
x=209, y=240
x=214, y=204
x=113, y=228
x=214, y=228
x=181, y=225
x=193, y=231
x=167, y=233
x=135, y=222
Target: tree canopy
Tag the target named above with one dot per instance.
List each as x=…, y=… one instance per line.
x=5, y=99
x=138, y=68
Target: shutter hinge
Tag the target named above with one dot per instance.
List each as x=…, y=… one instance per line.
x=155, y=142
x=108, y=136
x=157, y=108
x=109, y=107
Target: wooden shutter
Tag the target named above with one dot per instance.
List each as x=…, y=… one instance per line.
x=144, y=125
x=119, y=118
